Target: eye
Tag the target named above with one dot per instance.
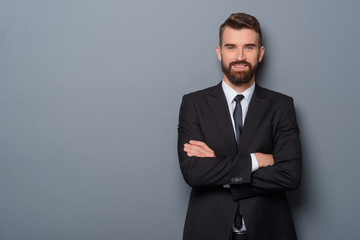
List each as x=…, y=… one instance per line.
x=249, y=48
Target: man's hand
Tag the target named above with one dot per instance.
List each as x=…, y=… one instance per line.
x=264, y=160
x=198, y=149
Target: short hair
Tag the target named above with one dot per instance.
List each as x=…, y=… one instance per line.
x=240, y=21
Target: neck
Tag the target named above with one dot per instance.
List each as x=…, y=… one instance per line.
x=240, y=87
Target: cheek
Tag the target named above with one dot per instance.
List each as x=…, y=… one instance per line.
x=223, y=60
x=255, y=59
x=227, y=59
x=228, y=55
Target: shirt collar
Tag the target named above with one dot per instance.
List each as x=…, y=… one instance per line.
x=230, y=93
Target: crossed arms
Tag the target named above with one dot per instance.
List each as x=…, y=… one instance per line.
x=200, y=149
x=201, y=166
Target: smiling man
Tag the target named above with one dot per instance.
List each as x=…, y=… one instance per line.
x=239, y=147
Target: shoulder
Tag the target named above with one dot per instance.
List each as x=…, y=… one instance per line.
x=273, y=95
x=203, y=93
x=278, y=102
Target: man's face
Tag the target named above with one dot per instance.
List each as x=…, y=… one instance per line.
x=239, y=55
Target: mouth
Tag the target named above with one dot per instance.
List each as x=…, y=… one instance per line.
x=239, y=66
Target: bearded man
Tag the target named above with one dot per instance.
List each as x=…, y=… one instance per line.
x=239, y=147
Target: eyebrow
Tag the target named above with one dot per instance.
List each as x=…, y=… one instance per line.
x=250, y=45
x=229, y=45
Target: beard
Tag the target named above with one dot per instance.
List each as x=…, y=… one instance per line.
x=238, y=78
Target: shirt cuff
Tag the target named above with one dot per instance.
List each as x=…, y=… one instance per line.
x=254, y=162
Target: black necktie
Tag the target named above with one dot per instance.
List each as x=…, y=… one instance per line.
x=238, y=126
x=238, y=116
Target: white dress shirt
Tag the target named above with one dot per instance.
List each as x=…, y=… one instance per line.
x=230, y=94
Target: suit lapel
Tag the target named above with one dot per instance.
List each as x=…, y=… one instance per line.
x=220, y=110
x=256, y=110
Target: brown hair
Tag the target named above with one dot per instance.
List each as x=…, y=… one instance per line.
x=239, y=21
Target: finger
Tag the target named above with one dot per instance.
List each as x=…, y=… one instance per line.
x=196, y=151
x=207, y=148
x=197, y=143
x=194, y=154
x=188, y=147
x=192, y=146
x=201, y=144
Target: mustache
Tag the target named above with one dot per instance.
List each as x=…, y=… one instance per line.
x=239, y=62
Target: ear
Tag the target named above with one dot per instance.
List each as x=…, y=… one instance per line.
x=218, y=52
x=261, y=53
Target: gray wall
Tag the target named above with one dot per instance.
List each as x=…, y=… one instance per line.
x=89, y=99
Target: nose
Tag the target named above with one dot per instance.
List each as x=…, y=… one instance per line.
x=240, y=55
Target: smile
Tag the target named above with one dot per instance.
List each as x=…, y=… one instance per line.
x=240, y=66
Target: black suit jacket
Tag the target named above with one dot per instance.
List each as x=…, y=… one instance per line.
x=270, y=127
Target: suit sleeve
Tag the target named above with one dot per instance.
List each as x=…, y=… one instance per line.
x=209, y=171
x=285, y=174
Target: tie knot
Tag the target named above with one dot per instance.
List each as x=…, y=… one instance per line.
x=238, y=98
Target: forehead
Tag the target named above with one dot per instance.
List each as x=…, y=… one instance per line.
x=239, y=37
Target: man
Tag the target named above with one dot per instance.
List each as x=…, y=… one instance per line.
x=239, y=147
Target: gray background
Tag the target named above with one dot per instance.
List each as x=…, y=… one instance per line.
x=89, y=99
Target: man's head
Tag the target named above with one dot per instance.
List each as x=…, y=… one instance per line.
x=240, y=48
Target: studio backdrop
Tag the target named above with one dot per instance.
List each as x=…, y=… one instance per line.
x=90, y=92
